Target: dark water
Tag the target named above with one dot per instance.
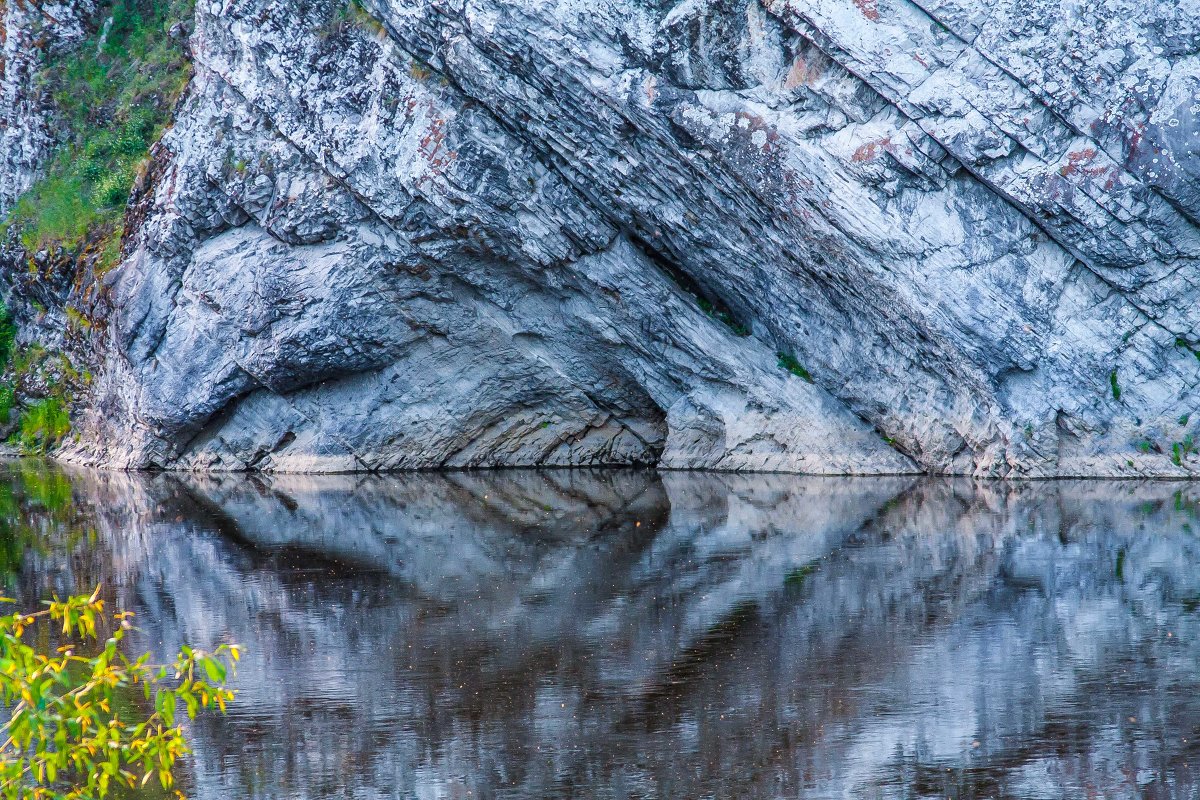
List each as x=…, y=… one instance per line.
x=630, y=634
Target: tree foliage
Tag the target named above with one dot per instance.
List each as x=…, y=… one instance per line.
x=85, y=720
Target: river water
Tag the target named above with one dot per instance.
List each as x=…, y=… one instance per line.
x=632, y=634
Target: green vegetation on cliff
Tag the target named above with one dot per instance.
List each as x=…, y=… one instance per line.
x=114, y=94
x=788, y=361
x=43, y=425
x=8, y=336
x=355, y=14
x=46, y=383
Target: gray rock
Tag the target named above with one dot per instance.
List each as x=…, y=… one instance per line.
x=488, y=233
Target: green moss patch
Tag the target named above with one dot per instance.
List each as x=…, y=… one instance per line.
x=789, y=362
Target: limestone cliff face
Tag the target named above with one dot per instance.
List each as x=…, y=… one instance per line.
x=427, y=233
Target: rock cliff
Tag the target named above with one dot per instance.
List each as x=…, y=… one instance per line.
x=829, y=236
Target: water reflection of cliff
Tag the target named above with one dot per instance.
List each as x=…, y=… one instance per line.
x=630, y=634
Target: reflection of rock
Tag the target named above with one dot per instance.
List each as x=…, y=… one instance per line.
x=521, y=634
x=465, y=528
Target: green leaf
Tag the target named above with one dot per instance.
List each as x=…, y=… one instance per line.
x=214, y=669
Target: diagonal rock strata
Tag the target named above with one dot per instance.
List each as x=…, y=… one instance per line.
x=495, y=233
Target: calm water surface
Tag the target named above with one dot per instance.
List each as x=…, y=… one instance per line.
x=625, y=634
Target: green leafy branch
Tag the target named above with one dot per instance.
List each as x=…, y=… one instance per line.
x=72, y=733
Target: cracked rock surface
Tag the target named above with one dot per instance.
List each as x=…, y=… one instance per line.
x=459, y=233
